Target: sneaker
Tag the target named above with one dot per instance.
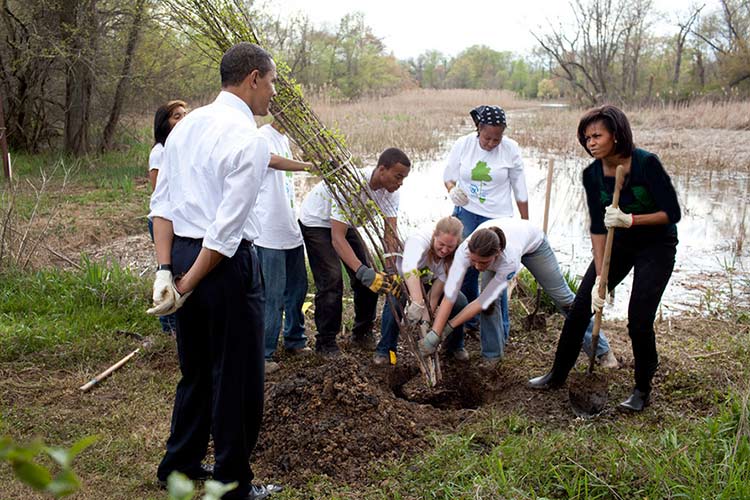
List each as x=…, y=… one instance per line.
x=271, y=366
x=460, y=355
x=608, y=360
x=380, y=359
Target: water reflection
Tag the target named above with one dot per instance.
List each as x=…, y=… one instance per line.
x=713, y=224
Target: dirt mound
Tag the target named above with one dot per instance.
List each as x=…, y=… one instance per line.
x=336, y=417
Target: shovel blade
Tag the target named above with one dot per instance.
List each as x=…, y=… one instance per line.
x=588, y=394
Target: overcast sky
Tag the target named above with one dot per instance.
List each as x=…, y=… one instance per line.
x=410, y=27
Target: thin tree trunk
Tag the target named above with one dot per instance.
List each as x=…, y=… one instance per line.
x=122, y=86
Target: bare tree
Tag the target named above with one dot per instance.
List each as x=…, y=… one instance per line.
x=108, y=134
x=685, y=27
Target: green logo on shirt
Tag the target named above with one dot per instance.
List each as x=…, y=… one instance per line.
x=481, y=174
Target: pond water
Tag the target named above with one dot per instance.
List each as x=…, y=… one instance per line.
x=712, y=250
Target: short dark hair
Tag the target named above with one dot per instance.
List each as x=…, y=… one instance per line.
x=391, y=156
x=487, y=242
x=162, y=128
x=615, y=122
x=241, y=60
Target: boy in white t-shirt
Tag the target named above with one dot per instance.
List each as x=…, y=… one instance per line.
x=331, y=238
x=281, y=254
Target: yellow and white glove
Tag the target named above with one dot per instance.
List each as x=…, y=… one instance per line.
x=415, y=312
x=597, y=302
x=375, y=281
x=163, y=294
x=458, y=196
x=614, y=217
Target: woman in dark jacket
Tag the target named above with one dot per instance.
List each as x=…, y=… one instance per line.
x=645, y=241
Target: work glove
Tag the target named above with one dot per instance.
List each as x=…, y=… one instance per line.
x=614, y=217
x=429, y=344
x=458, y=196
x=375, y=281
x=597, y=302
x=178, y=301
x=415, y=312
x=163, y=295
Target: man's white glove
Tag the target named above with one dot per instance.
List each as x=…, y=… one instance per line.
x=164, y=294
x=415, y=312
x=458, y=196
x=597, y=302
x=429, y=344
x=614, y=217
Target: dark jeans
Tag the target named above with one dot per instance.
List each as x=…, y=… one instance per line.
x=220, y=347
x=326, y=269
x=652, y=264
x=389, y=328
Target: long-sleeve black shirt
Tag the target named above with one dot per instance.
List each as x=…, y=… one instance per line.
x=646, y=190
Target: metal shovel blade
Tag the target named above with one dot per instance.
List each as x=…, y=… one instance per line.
x=588, y=393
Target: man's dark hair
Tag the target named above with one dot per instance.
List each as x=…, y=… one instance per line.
x=391, y=156
x=615, y=122
x=240, y=60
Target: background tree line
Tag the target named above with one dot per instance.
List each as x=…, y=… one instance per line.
x=73, y=71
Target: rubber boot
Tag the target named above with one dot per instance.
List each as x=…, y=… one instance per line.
x=636, y=402
x=548, y=381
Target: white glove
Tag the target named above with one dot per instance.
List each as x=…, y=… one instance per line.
x=415, y=312
x=429, y=344
x=614, y=217
x=179, y=300
x=597, y=302
x=458, y=196
x=164, y=294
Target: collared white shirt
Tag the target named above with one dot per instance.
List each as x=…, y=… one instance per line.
x=214, y=162
x=521, y=238
x=489, y=178
x=275, y=204
x=319, y=207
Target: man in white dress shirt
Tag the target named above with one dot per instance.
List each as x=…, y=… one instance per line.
x=204, y=230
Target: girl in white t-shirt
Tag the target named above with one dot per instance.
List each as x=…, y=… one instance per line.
x=500, y=246
x=483, y=175
x=424, y=265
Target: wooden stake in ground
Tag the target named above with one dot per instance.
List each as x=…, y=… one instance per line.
x=106, y=373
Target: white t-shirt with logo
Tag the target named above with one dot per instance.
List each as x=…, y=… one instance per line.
x=416, y=256
x=275, y=205
x=319, y=207
x=489, y=178
x=521, y=238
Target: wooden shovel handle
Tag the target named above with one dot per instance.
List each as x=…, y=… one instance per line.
x=619, y=177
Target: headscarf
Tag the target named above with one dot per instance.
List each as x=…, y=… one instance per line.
x=488, y=115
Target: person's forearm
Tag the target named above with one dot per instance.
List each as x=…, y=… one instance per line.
x=598, y=242
x=435, y=293
x=442, y=315
x=414, y=285
x=523, y=209
x=205, y=262
x=152, y=175
x=450, y=185
x=342, y=247
x=280, y=163
x=654, y=219
x=163, y=237
x=468, y=312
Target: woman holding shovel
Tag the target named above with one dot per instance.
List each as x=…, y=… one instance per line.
x=645, y=240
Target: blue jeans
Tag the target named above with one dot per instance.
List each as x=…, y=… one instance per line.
x=168, y=322
x=389, y=329
x=285, y=279
x=543, y=265
x=470, y=287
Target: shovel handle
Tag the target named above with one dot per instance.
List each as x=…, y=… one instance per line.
x=619, y=177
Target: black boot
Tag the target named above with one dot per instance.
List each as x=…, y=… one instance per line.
x=636, y=402
x=548, y=381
